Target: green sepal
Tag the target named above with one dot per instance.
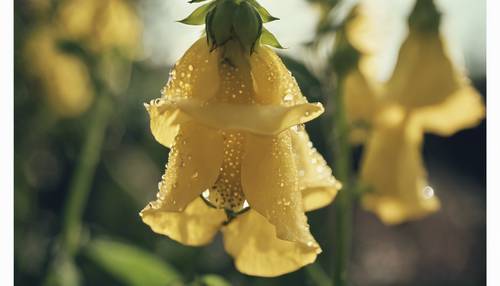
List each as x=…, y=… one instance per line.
x=221, y=22
x=197, y=17
x=268, y=38
x=425, y=16
x=208, y=31
x=247, y=25
x=266, y=16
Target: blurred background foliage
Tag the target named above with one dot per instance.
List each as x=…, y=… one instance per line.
x=83, y=68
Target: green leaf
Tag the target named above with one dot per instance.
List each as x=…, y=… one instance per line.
x=196, y=1
x=199, y=14
x=267, y=38
x=213, y=280
x=131, y=265
x=63, y=271
x=266, y=16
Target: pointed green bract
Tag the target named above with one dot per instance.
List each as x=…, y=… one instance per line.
x=267, y=38
x=199, y=14
x=247, y=25
x=266, y=16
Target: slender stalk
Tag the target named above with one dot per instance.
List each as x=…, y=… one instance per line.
x=318, y=275
x=343, y=208
x=80, y=185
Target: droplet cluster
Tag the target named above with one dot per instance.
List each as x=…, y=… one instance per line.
x=275, y=84
x=316, y=169
x=235, y=84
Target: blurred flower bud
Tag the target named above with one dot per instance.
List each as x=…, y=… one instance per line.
x=64, y=78
x=101, y=25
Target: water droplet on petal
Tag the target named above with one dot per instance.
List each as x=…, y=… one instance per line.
x=428, y=192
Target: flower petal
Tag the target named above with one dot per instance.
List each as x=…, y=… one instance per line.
x=392, y=166
x=319, y=187
x=196, y=226
x=463, y=109
x=193, y=166
x=273, y=82
x=257, y=119
x=269, y=180
x=360, y=99
x=424, y=74
x=195, y=75
x=252, y=241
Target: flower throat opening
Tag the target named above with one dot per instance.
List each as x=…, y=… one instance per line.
x=227, y=192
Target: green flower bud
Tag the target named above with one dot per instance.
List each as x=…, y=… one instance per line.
x=221, y=23
x=247, y=25
x=425, y=17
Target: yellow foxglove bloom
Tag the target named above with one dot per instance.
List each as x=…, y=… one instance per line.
x=64, y=77
x=426, y=93
x=240, y=160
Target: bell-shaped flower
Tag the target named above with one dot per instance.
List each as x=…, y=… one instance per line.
x=426, y=93
x=240, y=160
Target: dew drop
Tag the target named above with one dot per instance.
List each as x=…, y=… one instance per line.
x=206, y=194
x=245, y=204
x=428, y=192
x=287, y=98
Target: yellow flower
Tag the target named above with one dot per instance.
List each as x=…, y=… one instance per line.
x=64, y=77
x=102, y=24
x=426, y=93
x=240, y=160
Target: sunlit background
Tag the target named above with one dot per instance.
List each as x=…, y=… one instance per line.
x=53, y=111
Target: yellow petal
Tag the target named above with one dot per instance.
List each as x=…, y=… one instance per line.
x=193, y=167
x=196, y=226
x=360, y=100
x=319, y=187
x=273, y=82
x=252, y=241
x=361, y=104
x=424, y=74
x=269, y=180
x=257, y=119
x=164, y=122
x=463, y=109
x=392, y=166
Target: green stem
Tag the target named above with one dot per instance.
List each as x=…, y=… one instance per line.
x=318, y=275
x=80, y=185
x=342, y=153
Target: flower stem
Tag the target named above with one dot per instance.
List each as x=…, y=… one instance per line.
x=342, y=152
x=80, y=185
x=318, y=275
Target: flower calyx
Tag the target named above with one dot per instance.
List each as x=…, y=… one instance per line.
x=425, y=17
x=240, y=21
